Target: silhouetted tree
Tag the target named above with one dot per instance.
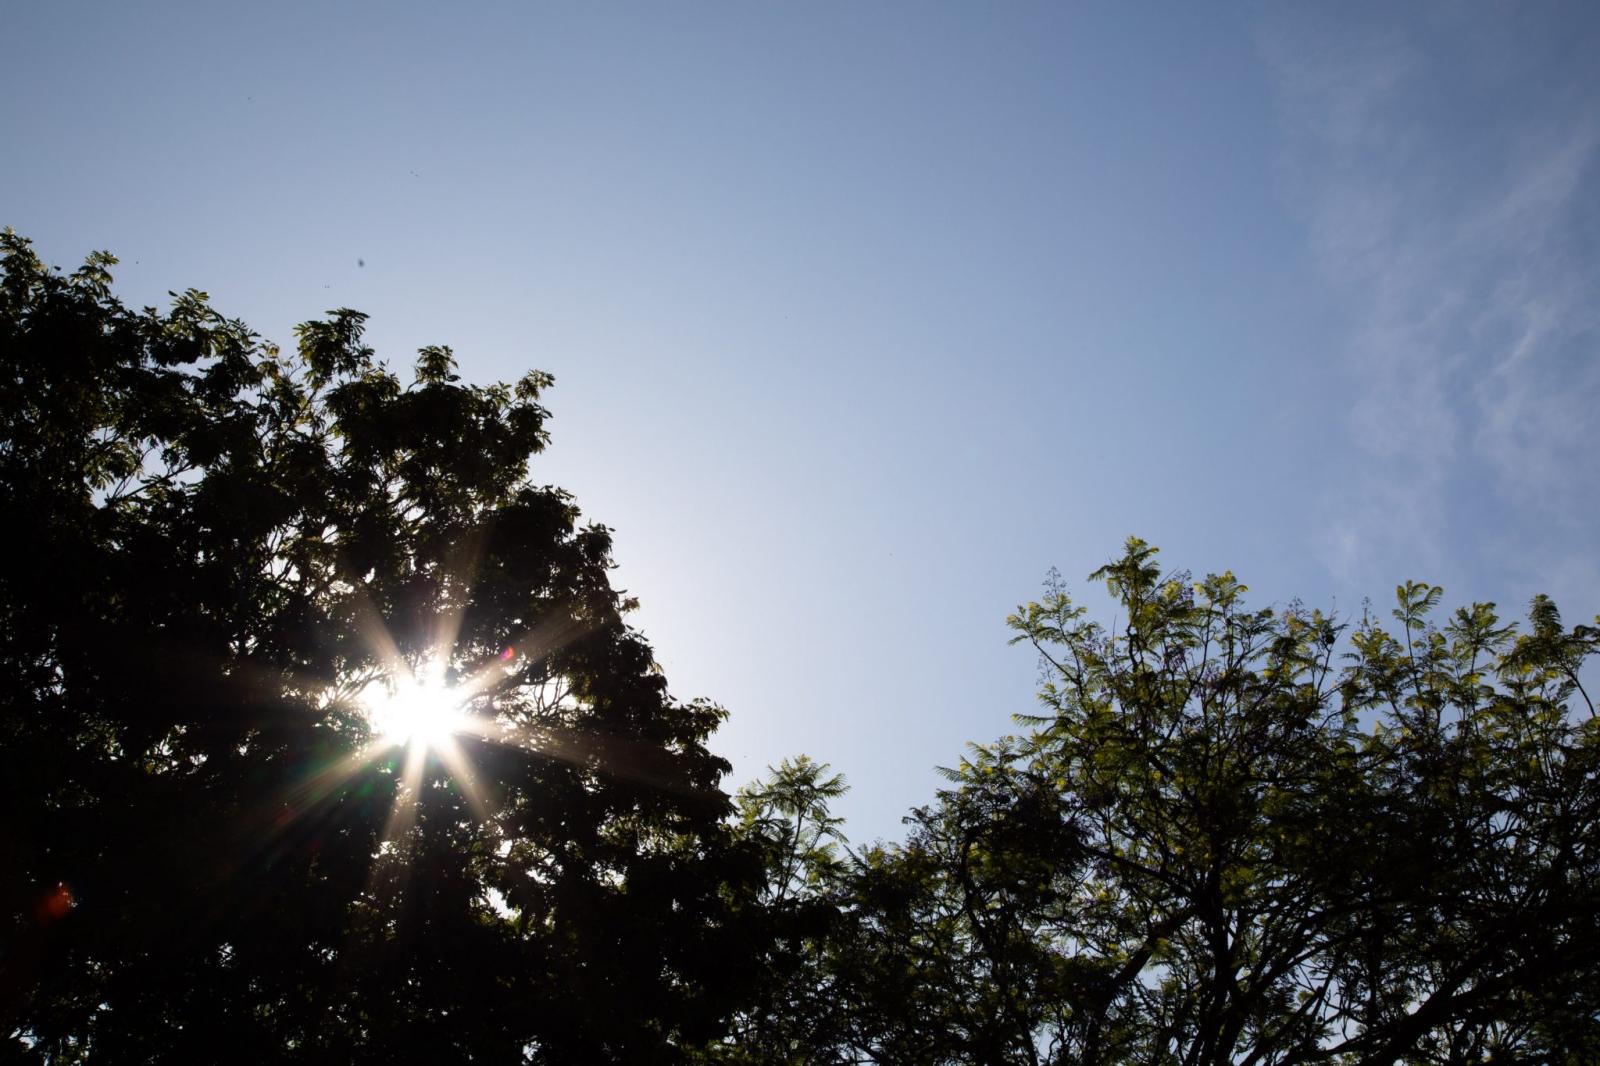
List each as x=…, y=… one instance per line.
x=218, y=552
x=792, y=1009
x=1221, y=844
x=1233, y=836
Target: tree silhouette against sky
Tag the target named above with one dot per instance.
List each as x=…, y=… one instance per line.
x=325, y=735
x=325, y=738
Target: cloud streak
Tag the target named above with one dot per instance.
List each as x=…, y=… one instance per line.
x=1448, y=175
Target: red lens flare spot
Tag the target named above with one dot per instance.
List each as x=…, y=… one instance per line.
x=56, y=903
x=509, y=654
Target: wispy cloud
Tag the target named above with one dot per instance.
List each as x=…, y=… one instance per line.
x=1455, y=203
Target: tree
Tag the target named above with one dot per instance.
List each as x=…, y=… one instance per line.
x=1220, y=844
x=799, y=841
x=223, y=554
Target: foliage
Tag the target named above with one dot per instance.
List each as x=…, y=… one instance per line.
x=787, y=819
x=1222, y=842
x=1231, y=835
x=216, y=547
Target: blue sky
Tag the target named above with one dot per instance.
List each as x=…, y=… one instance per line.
x=862, y=316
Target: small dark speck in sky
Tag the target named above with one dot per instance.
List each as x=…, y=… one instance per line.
x=361, y=262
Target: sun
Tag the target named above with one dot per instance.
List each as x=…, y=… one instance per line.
x=419, y=711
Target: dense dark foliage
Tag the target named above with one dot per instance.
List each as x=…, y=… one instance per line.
x=1231, y=836
x=1226, y=841
x=215, y=546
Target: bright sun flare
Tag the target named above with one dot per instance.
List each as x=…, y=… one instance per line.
x=415, y=712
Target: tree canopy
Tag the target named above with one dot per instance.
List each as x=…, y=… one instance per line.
x=222, y=555
x=1240, y=836
x=325, y=738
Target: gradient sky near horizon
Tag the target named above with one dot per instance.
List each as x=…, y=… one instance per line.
x=862, y=316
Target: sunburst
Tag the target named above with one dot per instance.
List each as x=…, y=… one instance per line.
x=435, y=711
x=415, y=709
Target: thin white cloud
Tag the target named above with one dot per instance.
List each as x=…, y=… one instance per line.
x=1460, y=246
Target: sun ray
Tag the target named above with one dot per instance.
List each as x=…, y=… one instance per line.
x=403, y=815
x=462, y=772
x=531, y=645
x=370, y=626
x=312, y=791
x=461, y=571
x=631, y=760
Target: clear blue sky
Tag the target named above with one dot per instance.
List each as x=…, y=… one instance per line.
x=864, y=315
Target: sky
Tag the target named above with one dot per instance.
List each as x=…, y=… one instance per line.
x=864, y=316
